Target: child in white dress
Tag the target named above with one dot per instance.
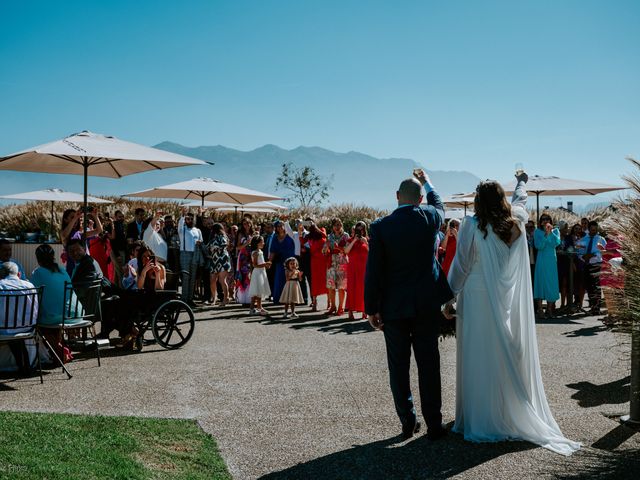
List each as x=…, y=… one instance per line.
x=259, y=286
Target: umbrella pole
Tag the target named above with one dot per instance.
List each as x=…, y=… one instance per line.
x=537, y=206
x=52, y=227
x=85, y=165
x=465, y=209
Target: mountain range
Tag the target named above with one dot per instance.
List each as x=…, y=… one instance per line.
x=357, y=177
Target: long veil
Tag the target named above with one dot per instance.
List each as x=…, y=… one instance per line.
x=508, y=278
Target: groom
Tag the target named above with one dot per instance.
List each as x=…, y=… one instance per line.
x=404, y=290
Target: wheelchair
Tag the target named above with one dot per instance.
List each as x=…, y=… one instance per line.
x=160, y=317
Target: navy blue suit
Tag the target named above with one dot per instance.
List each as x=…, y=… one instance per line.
x=406, y=286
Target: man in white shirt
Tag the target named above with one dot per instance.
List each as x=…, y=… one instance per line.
x=190, y=238
x=298, y=238
x=590, y=248
x=9, y=324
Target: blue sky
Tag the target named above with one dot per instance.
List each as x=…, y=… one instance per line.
x=456, y=85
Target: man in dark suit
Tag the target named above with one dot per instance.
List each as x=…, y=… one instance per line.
x=404, y=291
x=137, y=226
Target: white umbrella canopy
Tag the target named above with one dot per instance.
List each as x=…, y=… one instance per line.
x=54, y=195
x=556, y=186
x=204, y=189
x=456, y=213
x=460, y=200
x=87, y=153
x=222, y=205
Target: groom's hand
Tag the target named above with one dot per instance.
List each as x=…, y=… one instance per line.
x=375, y=321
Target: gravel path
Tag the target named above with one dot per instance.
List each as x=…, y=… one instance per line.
x=309, y=398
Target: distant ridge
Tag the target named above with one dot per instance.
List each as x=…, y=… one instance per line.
x=358, y=177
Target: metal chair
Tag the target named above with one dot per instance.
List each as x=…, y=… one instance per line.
x=81, y=309
x=18, y=322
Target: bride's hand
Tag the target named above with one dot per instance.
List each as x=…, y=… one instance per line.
x=523, y=177
x=447, y=312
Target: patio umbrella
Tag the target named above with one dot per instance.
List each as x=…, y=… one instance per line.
x=455, y=213
x=204, y=189
x=460, y=200
x=88, y=153
x=221, y=205
x=54, y=195
x=555, y=186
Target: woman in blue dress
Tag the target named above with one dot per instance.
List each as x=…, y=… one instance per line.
x=282, y=247
x=545, y=287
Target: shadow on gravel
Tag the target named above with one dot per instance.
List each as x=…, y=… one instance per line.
x=389, y=459
x=320, y=322
x=598, y=464
x=586, y=331
x=590, y=395
x=615, y=438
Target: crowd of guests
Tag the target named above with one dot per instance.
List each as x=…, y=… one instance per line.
x=288, y=263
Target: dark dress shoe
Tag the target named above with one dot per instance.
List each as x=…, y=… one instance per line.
x=436, y=433
x=410, y=430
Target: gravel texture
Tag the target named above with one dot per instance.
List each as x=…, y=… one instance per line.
x=309, y=399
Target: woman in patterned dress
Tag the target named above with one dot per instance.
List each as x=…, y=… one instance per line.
x=337, y=271
x=219, y=263
x=243, y=262
x=316, y=239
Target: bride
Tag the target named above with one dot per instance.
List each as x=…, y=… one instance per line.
x=499, y=394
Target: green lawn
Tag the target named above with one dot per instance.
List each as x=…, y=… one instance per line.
x=66, y=447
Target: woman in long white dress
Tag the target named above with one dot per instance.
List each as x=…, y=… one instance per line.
x=499, y=393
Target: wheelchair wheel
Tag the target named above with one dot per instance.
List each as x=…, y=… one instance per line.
x=172, y=324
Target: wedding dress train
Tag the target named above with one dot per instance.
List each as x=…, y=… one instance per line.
x=499, y=392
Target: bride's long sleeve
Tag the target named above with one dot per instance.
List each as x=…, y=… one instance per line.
x=519, y=202
x=465, y=255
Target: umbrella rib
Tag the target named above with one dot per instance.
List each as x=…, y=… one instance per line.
x=232, y=198
x=587, y=192
x=152, y=164
x=67, y=158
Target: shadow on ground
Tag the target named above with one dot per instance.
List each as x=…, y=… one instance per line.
x=586, y=331
x=388, y=459
x=591, y=395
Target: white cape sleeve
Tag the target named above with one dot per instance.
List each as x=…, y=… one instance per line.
x=465, y=255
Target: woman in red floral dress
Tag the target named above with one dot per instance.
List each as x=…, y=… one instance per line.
x=358, y=251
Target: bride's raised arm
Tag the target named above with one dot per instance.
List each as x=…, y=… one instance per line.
x=465, y=255
x=519, y=199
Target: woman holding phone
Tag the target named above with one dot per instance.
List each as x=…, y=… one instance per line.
x=151, y=273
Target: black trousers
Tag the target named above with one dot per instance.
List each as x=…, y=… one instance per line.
x=592, y=284
x=422, y=335
x=305, y=267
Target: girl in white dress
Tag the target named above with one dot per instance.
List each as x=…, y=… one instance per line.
x=259, y=286
x=499, y=391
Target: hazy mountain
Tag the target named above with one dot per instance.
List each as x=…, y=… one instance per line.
x=357, y=177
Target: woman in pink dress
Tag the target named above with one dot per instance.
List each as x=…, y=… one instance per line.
x=611, y=274
x=358, y=250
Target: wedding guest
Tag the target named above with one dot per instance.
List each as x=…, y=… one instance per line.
x=317, y=239
x=563, y=265
x=119, y=246
x=268, y=234
x=232, y=234
x=190, y=239
x=10, y=280
x=291, y=293
x=578, y=269
x=243, y=265
x=153, y=240
x=448, y=245
x=219, y=264
x=337, y=271
x=129, y=280
x=612, y=274
x=5, y=256
x=305, y=260
x=298, y=237
x=151, y=275
x=530, y=229
x=137, y=226
x=49, y=275
x=100, y=250
x=546, y=239
x=584, y=225
x=282, y=247
x=358, y=250
x=590, y=249
x=259, y=287
x=203, y=280
x=171, y=237
x=71, y=229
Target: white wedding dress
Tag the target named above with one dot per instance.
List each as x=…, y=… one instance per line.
x=499, y=393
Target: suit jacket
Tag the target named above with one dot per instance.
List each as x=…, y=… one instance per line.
x=403, y=278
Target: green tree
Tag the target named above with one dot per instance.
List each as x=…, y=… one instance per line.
x=305, y=186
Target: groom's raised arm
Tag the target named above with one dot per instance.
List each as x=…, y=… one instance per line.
x=434, y=200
